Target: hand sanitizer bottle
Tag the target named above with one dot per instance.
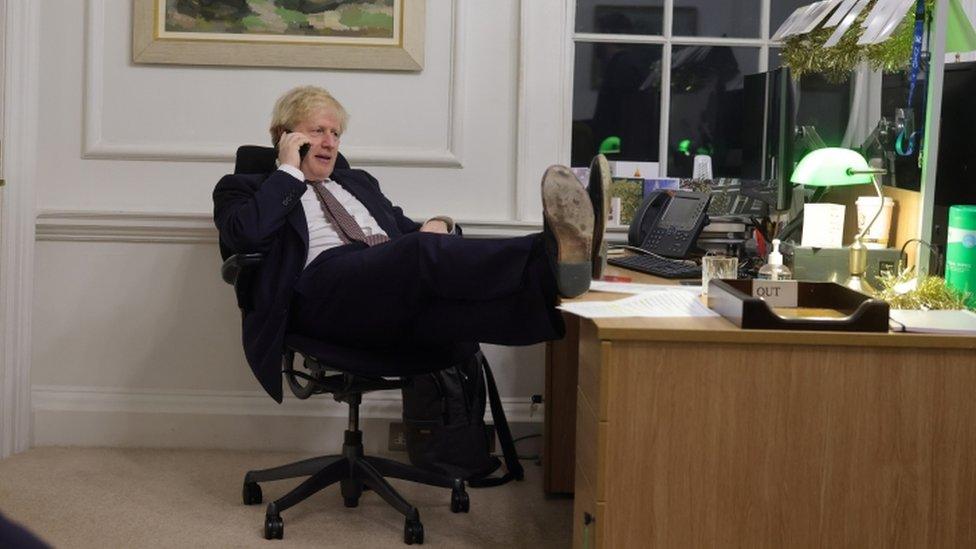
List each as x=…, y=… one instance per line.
x=774, y=269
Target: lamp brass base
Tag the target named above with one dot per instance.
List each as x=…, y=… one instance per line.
x=859, y=284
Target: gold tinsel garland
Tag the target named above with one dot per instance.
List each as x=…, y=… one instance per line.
x=932, y=293
x=805, y=53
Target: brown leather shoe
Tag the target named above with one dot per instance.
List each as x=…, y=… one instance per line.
x=599, y=189
x=568, y=230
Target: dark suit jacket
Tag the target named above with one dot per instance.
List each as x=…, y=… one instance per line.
x=263, y=213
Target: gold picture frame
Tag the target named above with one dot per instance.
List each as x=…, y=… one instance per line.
x=159, y=35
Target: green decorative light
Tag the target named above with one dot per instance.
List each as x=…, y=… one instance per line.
x=610, y=145
x=684, y=146
x=832, y=167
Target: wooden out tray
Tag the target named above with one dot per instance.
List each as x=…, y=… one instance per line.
x=824, y=306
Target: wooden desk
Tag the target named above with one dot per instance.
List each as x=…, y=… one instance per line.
x=693, y=433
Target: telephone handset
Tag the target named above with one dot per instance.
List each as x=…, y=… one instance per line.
x=668, y=222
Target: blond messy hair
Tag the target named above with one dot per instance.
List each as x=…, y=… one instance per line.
x=301, y=103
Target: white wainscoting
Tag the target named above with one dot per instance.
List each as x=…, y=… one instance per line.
x=74, y=401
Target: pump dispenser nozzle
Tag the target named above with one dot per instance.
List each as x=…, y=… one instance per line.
x=774, y=268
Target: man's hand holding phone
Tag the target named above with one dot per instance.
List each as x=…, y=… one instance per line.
x=292, y=147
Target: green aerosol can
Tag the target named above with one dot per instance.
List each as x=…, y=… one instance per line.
x=960, y=272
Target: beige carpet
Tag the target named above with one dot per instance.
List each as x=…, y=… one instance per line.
x=107, y=497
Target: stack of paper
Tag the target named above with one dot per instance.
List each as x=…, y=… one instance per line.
x=657, y=303
x=934, y=322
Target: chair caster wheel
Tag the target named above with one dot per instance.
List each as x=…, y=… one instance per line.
x=460, y=503
x=252, y=493
x=274, y=527
x=350, y=502
x=413, y=532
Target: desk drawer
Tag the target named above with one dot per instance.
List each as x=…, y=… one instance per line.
x=594, y=368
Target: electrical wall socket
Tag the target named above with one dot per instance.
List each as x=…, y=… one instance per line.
x=397, y=440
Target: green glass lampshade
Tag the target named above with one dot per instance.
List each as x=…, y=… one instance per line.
x=832, y=167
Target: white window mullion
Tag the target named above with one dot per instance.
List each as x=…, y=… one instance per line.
x=617, y=38
x=764, y=10
x=678, y=40
x=662, y=146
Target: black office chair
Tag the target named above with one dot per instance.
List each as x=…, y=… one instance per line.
x=346, y=373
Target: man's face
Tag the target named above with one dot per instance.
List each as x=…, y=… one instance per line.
x=323, y=130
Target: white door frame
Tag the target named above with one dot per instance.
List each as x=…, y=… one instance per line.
x=20, y=24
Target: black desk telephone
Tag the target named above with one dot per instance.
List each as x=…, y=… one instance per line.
x=668, y=222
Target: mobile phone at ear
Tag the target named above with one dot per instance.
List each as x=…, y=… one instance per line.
x=302, y=151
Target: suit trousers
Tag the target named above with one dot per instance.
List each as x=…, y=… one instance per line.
x=426, y=289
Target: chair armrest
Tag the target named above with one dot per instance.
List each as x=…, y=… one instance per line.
x=236, y=263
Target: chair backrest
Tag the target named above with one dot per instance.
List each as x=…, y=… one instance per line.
x=259, y=159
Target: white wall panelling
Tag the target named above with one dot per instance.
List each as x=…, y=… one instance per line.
x=158, y=227
x=20, y=22
x=98, y=145
x=545, y=92
x=157, y=137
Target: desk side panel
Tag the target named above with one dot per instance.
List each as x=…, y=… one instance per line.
x=744, y=445
x=559, y=441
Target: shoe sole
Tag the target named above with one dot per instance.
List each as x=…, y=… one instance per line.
x=599, y=189
x=569, y=214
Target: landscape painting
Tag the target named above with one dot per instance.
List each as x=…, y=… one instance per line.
x=327, y=21
x=345, y=34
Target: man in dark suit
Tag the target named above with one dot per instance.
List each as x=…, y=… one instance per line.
x=343, y=264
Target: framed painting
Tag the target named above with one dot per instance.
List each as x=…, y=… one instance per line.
x=336, y=34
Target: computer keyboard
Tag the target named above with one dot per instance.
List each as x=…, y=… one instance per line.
x=657, y=266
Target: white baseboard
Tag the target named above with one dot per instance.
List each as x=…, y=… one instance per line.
x=106, y=416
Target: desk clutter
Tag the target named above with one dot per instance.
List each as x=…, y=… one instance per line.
x=683, y=229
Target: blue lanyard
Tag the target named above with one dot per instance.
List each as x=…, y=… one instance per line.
x=913, y=78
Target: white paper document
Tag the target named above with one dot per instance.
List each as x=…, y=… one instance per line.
x=934, y=322
x=823, y=225
x=635, y=288
x=658, y=303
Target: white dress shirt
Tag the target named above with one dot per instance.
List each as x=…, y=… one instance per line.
x=321, y=234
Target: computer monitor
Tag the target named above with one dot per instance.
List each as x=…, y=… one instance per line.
x=776, y=107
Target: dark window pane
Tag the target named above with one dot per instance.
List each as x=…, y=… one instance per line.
x=779, y=10
x=640, y=18
x=775, y=61
x=616, y=96
x=735, y=18
x=706, y=115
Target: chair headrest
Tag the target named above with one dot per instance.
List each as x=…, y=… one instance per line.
x=258, y=159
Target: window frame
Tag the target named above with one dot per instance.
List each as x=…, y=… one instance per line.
x=667, y=41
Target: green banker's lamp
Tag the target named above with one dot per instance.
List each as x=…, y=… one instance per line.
x=835, y=167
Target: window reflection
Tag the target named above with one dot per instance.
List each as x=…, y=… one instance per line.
x=775, y=60
x=739, y=18
x=616, y=101
x=640, y=18
x=706, y=115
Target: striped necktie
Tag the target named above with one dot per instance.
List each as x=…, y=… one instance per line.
x=340, y=218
